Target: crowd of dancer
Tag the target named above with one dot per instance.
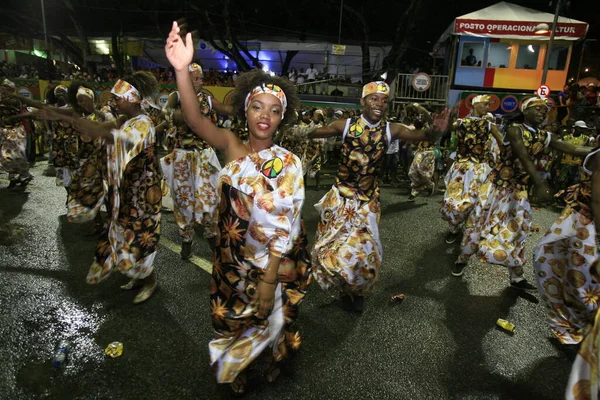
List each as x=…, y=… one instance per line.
x=250, y=208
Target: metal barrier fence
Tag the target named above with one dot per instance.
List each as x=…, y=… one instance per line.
x=437, y=92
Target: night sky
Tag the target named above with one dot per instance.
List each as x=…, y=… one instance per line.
x=299, y=19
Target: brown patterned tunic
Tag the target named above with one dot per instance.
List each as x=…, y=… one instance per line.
x=473, y=140
x=363, y=148
x=510, y=171
x=185, y=137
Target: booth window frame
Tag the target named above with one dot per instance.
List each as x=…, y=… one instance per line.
x=472, y=44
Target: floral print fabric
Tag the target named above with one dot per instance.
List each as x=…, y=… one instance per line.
x=585, y=374
x=13, y=142
x=134, y=176
x=566, y=266
x=192, y=177
x=474, y=140
x=363, y=148
x=468, y=172
x=462, y=188
x=421, y=171
x=86, y=189
x=566, y=270
x=13, y=159
x=509, y=170
x=497, y=227
x=182, y=137
x=191, y=171
x=261, y=196
x=501, y=219
x=347, y=252
x=65, y=151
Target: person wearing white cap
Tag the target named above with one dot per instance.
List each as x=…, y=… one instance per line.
x=475, y=139
x=192, y=168
x=347, y=252
x=13, y=138
x=501, y=219
x=570, y=170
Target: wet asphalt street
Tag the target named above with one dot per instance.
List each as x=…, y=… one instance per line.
x=440, y=343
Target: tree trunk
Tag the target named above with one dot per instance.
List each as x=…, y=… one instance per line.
x=217, y=40
x=364, y=44
x=89, y=66
x=117, y=53
x=401, y=40
x=289, y=56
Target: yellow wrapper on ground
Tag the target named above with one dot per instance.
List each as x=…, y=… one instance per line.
x=504, y=324
x=114, y=350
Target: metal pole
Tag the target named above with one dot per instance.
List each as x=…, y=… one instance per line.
x=549, y=48
x=340, y=28
x=48, y=60
x=337, y=56
x=580, y=60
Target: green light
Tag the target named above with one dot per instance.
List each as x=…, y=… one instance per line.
x=39, y=53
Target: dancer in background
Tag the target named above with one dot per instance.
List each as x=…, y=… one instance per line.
x=191, y=169
x=134, y=177
x=422, y=167
x=13, y=141
x=566, y=258
x=475, y=139
x=314, y=152
x=86, y=190
x=347, y=253
x=501, y=219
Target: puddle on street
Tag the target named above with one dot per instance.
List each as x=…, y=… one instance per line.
x=63, y=320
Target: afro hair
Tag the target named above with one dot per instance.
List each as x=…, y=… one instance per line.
x=143, y=81
x=72, y=93
x=249, y=80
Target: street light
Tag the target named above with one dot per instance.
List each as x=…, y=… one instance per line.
x=542, y=29
x=551, y=42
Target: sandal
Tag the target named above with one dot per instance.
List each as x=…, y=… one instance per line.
x=25, y=182
x=238, y=386
x=147, y=291
x=271, y=369
x=132, y=284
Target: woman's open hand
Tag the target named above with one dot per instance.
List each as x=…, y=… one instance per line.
x=180, y=54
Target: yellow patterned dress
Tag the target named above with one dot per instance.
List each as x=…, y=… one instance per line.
x=13, y=142
x=585, y=374
x=314, y=154
x=191, y=171
x=468, y=172
x=261, y=196
x=134, y=176
x=297, y=144
x=86, y=190
x=566, y=265
x=422, y=168
x=65, y=151
x=570, y=170
x=498, y=225
x=347, y=252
